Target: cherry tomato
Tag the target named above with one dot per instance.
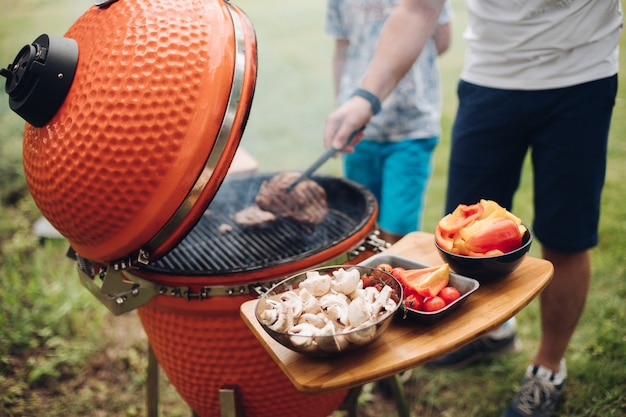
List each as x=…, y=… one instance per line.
x=368, y=280
x=434, y=303
x=384, y=268
x=449, y=294
x=397, y=272
x=414, y=302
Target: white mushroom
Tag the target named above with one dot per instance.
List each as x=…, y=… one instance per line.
x=310, y=304
x=273, y=316
x=282, y=316
x=370, y=294
x=316, y=320
x=316, y=284
x=292, y=301
x=302, y=335
x=345, y=282
x=383, y=302
x=390, y=306
x=329, y=341
x=269, y=316
x=333, y=298
x=336, y=307
x=363, y=333
x=384, y=295
x=358, y=312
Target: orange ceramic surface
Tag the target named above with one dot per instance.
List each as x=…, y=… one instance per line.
x=204, y=345
x=137, y=127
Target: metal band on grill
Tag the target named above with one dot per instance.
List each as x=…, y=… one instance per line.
x=216, y=152
x=122, y=292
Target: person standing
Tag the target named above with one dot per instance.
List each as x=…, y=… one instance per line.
x=538, y=76
x=394, y=158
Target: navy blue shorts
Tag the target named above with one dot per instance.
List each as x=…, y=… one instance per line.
x=566, y=131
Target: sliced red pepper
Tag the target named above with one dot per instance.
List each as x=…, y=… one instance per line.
x=411, y=277
x=426, y=282
x=458, y=247
x=462, y=216
x=492, y=209
x=492, y=234
x=444, y=240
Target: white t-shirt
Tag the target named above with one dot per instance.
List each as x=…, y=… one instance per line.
x=541, y=44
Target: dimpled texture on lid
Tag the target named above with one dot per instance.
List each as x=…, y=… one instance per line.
x=135, y=130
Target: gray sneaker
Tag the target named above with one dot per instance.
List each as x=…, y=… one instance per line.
x=539, y=393
x=503, y=340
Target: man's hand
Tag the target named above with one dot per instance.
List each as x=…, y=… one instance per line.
x=352, y=115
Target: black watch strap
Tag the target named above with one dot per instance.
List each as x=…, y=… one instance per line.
x=373, y=100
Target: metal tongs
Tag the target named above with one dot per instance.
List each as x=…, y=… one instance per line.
x=330, y=152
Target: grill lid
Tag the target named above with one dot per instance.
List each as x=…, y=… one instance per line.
x=151, y=122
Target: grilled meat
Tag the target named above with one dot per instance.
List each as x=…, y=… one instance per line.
x=254, y=216
x=306, y=202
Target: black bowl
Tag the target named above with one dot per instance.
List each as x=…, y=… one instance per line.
x=487, y=268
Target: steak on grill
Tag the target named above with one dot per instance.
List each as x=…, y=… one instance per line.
x=306, y=202
x=253, y=216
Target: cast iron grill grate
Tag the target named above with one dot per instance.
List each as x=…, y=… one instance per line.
x=209, y=250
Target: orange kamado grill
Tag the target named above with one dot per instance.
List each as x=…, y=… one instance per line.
x=133, y=118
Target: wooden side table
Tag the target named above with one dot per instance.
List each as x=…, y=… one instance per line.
x=406, y=345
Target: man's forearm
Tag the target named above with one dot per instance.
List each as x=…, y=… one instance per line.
x=403, y=37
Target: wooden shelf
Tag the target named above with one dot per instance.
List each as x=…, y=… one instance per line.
x=406, y=345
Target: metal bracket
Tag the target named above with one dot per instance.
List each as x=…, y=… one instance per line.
x=372, y=243
x=118, y=294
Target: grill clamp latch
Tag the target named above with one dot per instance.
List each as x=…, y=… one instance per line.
x=117, y=290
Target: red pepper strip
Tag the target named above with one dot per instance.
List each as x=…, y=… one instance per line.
x=411, y=278
x=444, y=240
x=425, y=282
x=462, y=216
x=493, y=234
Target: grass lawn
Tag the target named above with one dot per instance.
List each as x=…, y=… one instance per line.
x=53, y=332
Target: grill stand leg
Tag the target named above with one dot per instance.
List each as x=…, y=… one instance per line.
x=397, y=389
x=398, y=394
x=228, y=401
x=351, y=401
x=152, y=384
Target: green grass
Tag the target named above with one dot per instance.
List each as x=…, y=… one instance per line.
x=50, y=325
